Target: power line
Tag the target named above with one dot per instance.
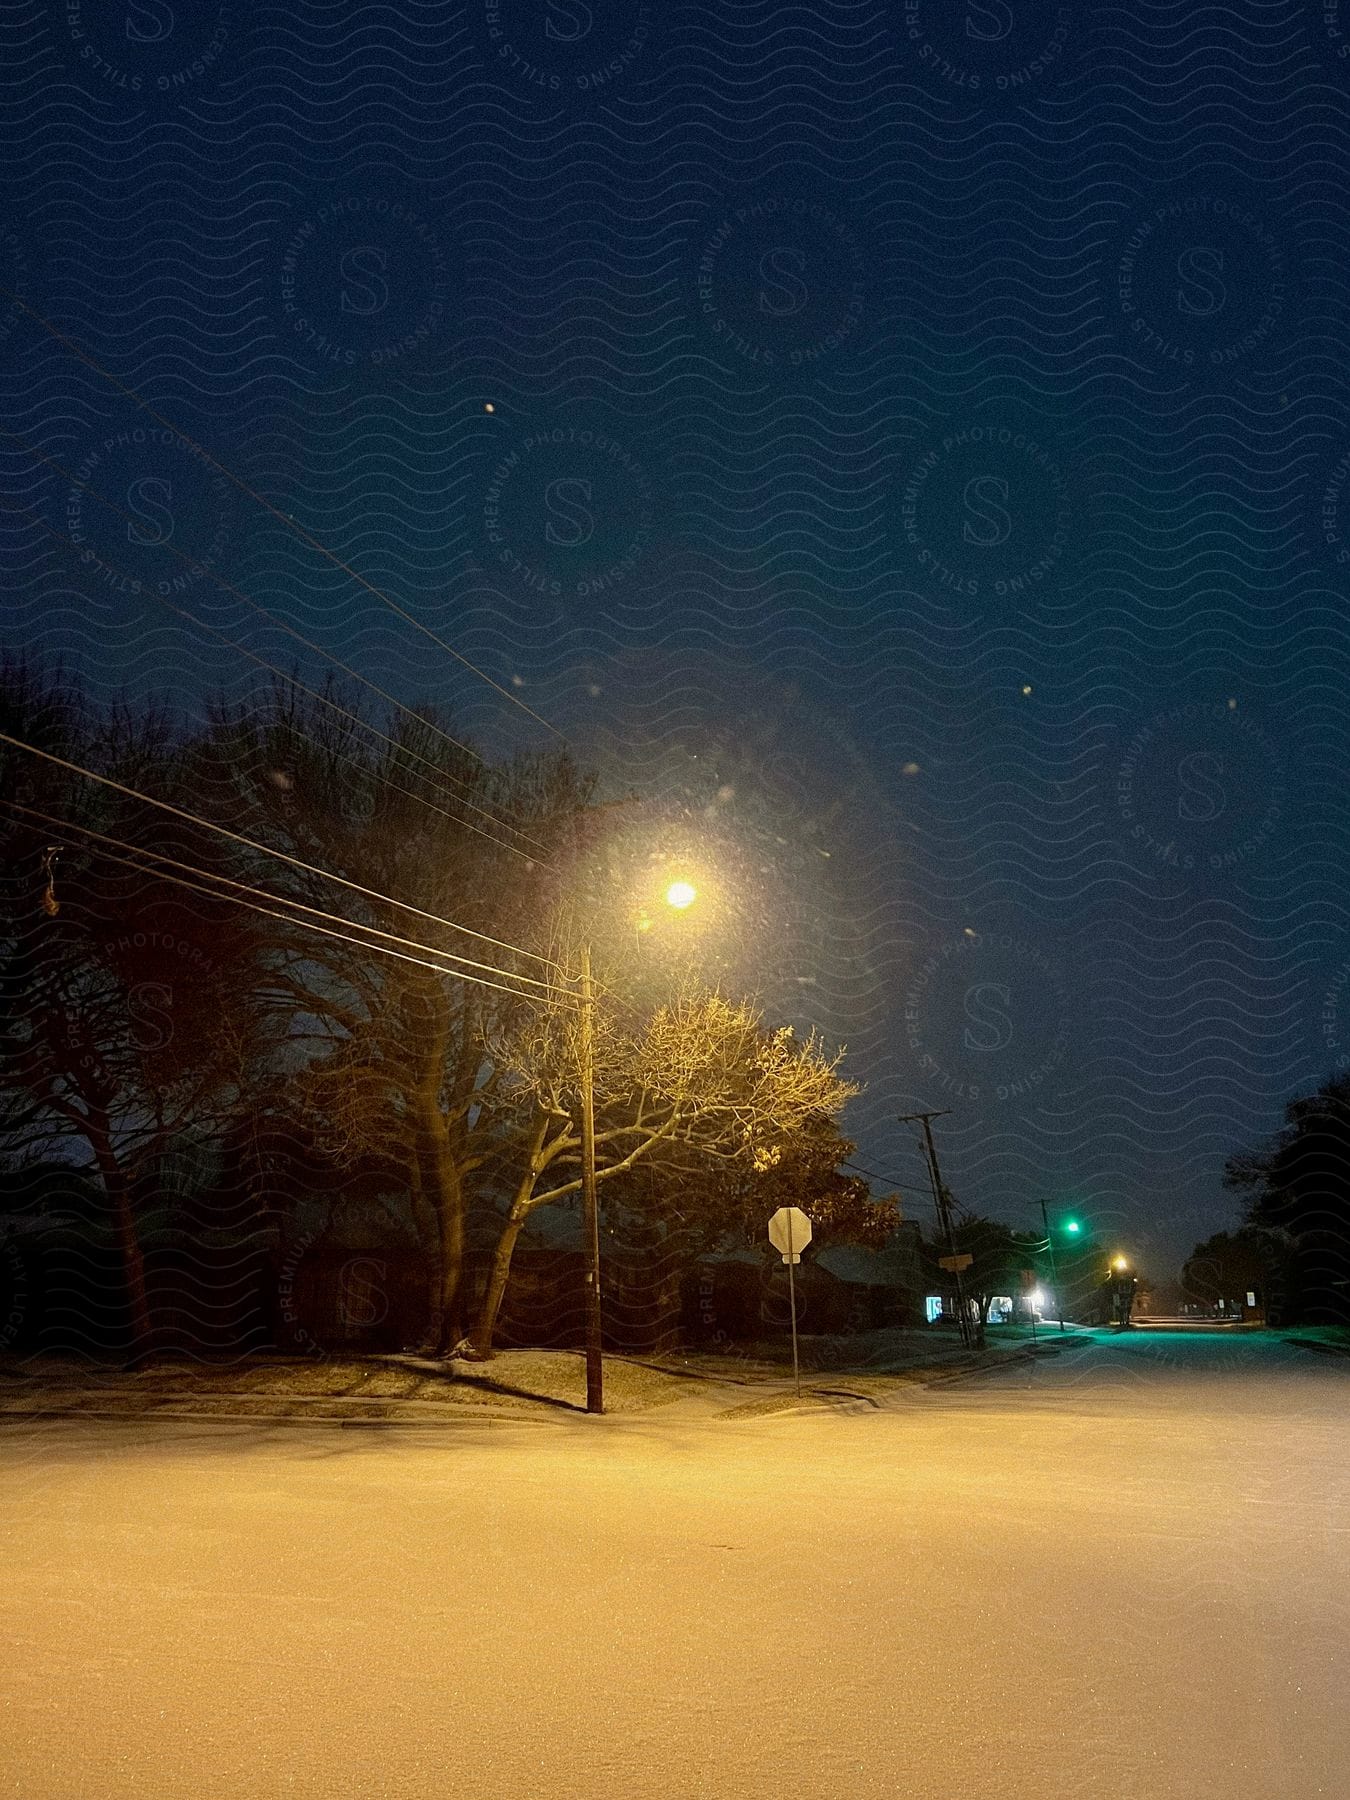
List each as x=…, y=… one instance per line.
x=891, y=1181
x=280, y=855
x=534, y=861
x=323, y=930
x=288, y=918
x=290, y=524
x=245, y=887
x=872, y=1175
x=281, y=625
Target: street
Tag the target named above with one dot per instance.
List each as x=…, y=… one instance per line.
x=1122, y=1569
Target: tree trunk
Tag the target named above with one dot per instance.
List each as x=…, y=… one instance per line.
x=479, y=1342
x=118, y=1189
x=427, y=1219
x=445, y=1191
x=440, y=1170
x=452, y=1269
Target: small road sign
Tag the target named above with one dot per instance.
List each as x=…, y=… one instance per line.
x=790, y=1232
x=955, y=1263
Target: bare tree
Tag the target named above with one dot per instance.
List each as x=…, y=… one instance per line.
x=122, y=1022
x=393, y=1057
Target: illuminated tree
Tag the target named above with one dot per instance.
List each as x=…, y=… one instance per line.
x=702, y=1075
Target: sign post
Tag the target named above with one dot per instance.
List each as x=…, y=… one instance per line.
x=956, y=1265
x=790, y=1233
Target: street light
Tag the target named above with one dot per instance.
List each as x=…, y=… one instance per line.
x=680, y=895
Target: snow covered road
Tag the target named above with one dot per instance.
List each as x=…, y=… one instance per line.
x=1126, y=1569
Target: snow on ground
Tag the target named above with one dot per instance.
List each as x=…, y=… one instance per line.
x=1122, y=1569
x=523, y=1381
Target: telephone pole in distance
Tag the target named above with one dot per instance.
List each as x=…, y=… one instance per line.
x=925, y=1119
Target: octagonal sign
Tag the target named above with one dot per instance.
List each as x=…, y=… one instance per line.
x=790, y=1232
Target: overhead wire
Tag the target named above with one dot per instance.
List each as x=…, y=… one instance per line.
x=306, y=537
x=282, y=625
x=890, y=1181
x=458, y=974
x=534, y=861
x=280, y=855
x=245, y=887
x=290, y=524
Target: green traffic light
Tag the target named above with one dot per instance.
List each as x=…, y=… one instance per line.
x=1072, y=1225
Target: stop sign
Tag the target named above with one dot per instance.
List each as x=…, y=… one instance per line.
x=790, y=1232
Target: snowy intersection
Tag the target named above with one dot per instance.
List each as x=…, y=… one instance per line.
x=1120, y=1566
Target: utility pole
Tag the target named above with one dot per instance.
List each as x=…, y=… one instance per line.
x=925, y=1119
x=590, y=1209
x=1054, y=1271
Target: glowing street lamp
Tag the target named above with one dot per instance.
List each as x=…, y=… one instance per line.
x=1123, y=1288
x=681, y=895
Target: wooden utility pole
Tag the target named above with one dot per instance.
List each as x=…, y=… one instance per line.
x=925, y=1119
x=590, y=1208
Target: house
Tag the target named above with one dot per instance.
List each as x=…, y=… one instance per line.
x=742, y=1295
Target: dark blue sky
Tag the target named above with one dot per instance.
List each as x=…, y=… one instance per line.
x=924, y=425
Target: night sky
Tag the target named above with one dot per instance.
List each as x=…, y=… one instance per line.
x=920, y=442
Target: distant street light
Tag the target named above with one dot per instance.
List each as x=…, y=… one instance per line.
x=681, y=894
x=1123, y=1288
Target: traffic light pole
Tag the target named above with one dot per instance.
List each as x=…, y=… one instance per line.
x=1054, y=1271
